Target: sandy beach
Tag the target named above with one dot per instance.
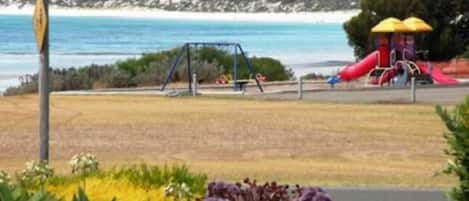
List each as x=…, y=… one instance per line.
x=300, y=17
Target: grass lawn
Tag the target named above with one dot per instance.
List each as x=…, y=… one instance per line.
x=294, y=142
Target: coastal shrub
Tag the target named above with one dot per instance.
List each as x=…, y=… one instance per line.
x=207, y=72
x=314, y=76
x=457, y=137
x=151, y=68
x=271, y=191
x=24, y=88
x=154, y=74
x=272, y=69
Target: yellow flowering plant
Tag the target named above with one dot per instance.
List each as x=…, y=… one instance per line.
x=108, y=188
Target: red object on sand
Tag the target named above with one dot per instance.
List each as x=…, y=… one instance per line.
x=458, y=68
x=359, y=69
x=437, y=75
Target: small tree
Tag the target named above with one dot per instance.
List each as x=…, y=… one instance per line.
x=457, y=123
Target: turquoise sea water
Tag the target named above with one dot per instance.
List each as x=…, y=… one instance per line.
x=77, y=41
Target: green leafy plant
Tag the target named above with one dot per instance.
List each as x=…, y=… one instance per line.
x=17, y=193
x=154, y=176
x=80, y=195
x=457, y=122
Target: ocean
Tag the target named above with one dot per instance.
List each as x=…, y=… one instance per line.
x=78, y=41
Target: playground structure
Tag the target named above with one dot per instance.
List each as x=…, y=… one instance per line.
x=237, y=84
x=395, y=60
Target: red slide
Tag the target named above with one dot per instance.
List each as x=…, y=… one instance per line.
x=359, y=69
x=438, y=76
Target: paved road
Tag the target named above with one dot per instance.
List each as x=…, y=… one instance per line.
x=362, y=194
x=432, y=95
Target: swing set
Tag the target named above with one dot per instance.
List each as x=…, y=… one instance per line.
x=186, y=50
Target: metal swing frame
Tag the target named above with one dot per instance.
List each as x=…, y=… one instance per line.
x=186, y=50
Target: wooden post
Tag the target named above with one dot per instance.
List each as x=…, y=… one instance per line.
x=44, y=92
x=413, y=89
x=194, y=84
x=300, y=88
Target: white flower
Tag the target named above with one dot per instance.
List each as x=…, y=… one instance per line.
x=36, y=172
x=84, y=163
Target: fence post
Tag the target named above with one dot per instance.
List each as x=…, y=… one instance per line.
x=300, y=88
x=413, y=90
x=194, y=84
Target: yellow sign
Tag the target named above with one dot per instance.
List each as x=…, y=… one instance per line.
x=40, y=24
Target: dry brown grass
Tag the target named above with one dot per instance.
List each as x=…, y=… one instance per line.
x=304, y=142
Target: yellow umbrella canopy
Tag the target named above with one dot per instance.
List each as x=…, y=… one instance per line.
x=391, y=25
x=417, y=25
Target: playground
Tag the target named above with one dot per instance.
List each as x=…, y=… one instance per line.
x=397, y=60
x=384, y=76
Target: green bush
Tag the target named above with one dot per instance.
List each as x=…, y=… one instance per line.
x=457, y=138
x=151, y=69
